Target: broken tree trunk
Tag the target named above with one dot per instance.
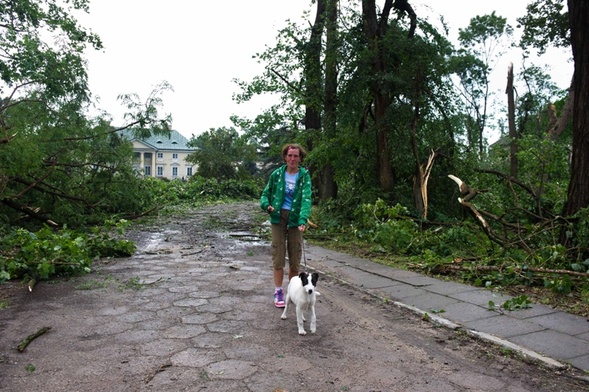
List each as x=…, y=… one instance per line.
x=467, y=194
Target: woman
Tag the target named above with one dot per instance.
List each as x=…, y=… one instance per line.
x=287, y=198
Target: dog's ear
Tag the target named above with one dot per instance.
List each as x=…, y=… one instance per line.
x=314, y=278
x=304, y=278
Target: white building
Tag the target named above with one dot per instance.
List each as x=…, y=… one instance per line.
x=162, y=156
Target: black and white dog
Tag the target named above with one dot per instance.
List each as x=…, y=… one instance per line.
x=301, y=291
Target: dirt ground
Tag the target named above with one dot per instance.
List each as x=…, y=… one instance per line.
x=192, y=311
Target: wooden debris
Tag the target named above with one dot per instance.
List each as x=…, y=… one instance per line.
x=31, y=284
x=25, y=342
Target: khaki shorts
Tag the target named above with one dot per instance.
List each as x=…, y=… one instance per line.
x=286, y=239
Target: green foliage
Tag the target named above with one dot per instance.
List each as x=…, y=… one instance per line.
x=384, y=226
x=577, y=230
x=581, y=267
x=481, y=31
x=545, y=23
x=541, y=93
x=462, y=250
x=46, y=253
x=452, y=240
x=57, y=166
x=198, y=190
x=394, y=229
x=483, y=41
x=102, y=243
x=560, y=284
x=55, y=69
x=223, y=154
x=516, y=303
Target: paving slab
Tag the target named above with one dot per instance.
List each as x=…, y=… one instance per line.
x=481, y=297
x=555, y=344
x=533, y=311
x=551, y=334
x=430, y=302
x=462, y=312
x=504, y=326
x=364, y=279
x=401, y=291
x=447, y=288
x=581, y=362
x=418, y=281
x=563, y=322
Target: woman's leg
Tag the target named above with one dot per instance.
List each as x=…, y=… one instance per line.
x=295, y=251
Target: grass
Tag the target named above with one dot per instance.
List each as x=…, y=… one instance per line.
x=133, y=283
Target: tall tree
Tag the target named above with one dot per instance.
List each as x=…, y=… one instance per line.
x=313, y=76
x=375, y=30
x=482, y=43
x=545, y=25
x=383, y=64
x=328, y=185
x=578, y=189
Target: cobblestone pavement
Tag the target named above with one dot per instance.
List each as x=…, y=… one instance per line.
x=192, y=311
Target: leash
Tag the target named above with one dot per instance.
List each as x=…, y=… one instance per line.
x=304, y=253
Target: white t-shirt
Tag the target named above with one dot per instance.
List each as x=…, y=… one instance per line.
x=290, y=185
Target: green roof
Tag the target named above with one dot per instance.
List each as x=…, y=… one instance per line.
x=173, y=141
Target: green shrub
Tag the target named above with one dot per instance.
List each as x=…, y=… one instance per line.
x=46, y=253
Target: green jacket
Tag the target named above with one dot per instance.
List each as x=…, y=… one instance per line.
x=273, y=194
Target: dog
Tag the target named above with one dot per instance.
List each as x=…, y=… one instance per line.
x=302, y=293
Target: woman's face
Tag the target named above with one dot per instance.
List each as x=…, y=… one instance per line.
x=293, y=158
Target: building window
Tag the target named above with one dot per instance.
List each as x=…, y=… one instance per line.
x=174, y=171
x=189, y=171
x=147, y=170
x=175, y=156
x=160, y=156
x=160, y=171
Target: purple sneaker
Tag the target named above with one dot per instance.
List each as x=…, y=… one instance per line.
x=279, y=298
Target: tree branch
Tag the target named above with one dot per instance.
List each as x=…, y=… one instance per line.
x=28, y=211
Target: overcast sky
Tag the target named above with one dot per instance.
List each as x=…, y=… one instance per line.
x=199, y=48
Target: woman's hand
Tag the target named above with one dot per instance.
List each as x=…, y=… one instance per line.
x=302, y=228
x=270, y=209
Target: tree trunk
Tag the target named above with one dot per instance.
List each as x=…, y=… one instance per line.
x=328, y=185
x=558, y=126
x=511, y=121
x=578, y=190
x=422, y=171
x=420, y=193
x=374, y=31
x=313, y=99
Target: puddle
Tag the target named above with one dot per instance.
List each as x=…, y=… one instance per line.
x=155, y=240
